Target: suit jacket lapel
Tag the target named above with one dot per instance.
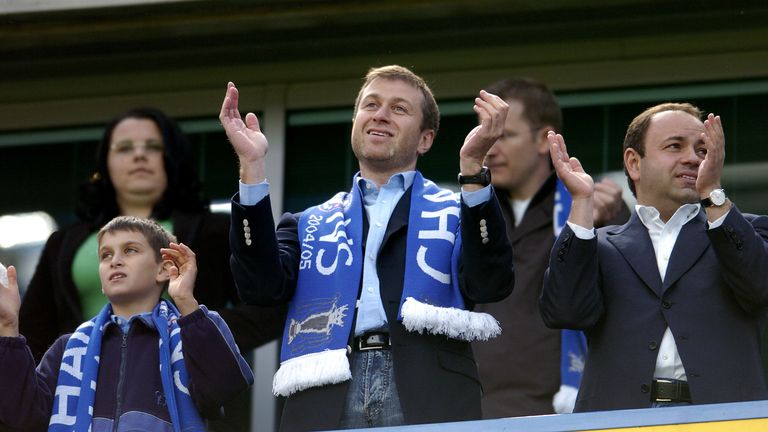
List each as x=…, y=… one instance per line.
x=689, y=246
x=399, y=218
x=634, y=244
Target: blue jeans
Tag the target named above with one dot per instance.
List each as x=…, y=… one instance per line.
x=372, y=399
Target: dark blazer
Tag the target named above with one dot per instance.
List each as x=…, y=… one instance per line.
x=436, y=377
x=715, y=289
x=51, y=304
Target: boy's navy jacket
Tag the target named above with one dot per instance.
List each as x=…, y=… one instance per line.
x=128, y=388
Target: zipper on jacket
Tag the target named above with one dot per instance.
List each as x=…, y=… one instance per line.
x=120, y=380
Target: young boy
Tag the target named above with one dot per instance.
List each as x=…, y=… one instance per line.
x=140, y=364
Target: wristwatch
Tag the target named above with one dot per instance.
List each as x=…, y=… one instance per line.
x=716, y=198
x=482, y=178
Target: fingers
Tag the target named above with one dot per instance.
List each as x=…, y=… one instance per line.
x=229, y=110
x=713, y=136
x=557, y=149
x=179, y=253
x=492, y=112
x=252, y=122
x=173, y=272
x=12, y=282
x=711, y=167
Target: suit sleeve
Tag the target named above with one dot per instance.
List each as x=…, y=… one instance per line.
x=571, y=296
x=741, y=246
x=251, y=325
x=487, y=273
x=264, y=263
x=217, y=370
x=26, y=400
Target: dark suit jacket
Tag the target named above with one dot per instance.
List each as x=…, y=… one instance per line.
x=715, y=289
x=436, y=377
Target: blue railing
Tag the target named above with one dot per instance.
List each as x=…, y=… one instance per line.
x=740, y=416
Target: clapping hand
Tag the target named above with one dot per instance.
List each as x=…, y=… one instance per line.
x=183, y=272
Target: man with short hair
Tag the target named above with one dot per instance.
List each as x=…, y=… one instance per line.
x=521, y=369
x=671, y=302
x=381, y=280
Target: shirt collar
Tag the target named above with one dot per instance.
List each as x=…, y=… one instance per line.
x=401, y=181
x=124, y=324
x=650, y=216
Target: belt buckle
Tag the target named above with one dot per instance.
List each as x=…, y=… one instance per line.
x=362, y=344
x=662, y=381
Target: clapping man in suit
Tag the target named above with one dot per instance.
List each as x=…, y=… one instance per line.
x=670, y=301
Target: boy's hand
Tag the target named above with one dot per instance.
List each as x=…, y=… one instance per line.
x=183, y=273
x=10, y=302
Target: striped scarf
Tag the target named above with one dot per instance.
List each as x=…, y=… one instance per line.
x=76, y=387
x=314, y=349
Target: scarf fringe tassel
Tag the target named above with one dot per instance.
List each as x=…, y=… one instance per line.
x=452, y=322
x=311, y=370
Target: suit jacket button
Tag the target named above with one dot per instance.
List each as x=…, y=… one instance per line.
x=485, y=240
x=666, y=305
x=644, y=388
x=245, y=222
x=248, y=242
x=652, y=345
x=483, y=222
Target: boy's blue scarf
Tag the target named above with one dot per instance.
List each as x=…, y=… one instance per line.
x=314, y=349
x=573, y=343
x=76, y=388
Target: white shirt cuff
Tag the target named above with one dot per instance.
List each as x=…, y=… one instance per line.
x=581, y=232
x=719, y=221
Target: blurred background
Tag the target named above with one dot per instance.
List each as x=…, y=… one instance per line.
x=67, y=66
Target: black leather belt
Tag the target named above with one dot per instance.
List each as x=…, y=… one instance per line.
x=664, y=390
x=372, y=341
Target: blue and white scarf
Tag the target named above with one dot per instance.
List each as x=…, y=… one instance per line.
x=76, y=388
x=573, y=343
x=314, y=349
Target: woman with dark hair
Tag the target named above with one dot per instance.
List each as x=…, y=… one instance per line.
x=144, y=168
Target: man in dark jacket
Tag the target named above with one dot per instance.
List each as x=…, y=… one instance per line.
x=380, y=281
x=520, y=370
x=672, y=301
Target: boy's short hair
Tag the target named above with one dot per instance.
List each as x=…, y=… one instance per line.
x=156, y=235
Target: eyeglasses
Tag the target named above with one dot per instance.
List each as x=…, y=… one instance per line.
x=130, y=147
